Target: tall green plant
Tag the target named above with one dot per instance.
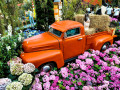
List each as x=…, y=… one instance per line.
x=9, y=10
x=50, y=12
x=72, y=7
x=44, y=14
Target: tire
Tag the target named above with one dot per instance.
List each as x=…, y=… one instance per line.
x=46, y=67
x=105, y=46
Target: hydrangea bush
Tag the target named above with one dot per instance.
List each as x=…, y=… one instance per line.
x=16, y=68
x=14, y=60
x=94, y=70
x=29, y=68
x=4, y=82
x=25, y=79
x=14, y=86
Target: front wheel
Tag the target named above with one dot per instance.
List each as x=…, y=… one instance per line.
x=46, y=67
x=105, y=46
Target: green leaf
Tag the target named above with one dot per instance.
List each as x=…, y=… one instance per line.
x=63, y=88
x=12, y=77
x=60, y=85
x=72, y=72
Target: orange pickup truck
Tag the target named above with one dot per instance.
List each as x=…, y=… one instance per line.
x=62, y=43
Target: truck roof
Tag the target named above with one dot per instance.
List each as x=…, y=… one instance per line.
x=65, y=25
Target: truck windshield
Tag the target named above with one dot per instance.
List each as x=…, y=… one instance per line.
x=54, y=31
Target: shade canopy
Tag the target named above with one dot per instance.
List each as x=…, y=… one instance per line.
x=94, y=2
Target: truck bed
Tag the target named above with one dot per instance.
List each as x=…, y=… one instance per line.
x=90, y=38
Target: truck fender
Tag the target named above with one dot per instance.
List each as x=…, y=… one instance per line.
x=42, y=57
x=100, y=40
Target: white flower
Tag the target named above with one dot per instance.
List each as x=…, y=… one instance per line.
x=15, y=44
x=29, y=68
x=9, y=30
x=8, y=48
x=20, y=31
x=16, y=68
x=25, y=79
x=14, y=86
x=19, y=38
x=4, y=82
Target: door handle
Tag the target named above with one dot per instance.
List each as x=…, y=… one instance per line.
x=80, y=38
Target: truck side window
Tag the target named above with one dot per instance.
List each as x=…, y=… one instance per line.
x=56, y=32
x=73, y=32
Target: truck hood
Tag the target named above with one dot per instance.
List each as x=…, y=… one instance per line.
x=44, y=41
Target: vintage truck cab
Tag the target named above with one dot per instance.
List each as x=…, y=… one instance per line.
x=63, y=42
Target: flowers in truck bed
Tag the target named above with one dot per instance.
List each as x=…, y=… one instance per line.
x=29, y=68
x=14, y=86
x=16, y=69
x=25, y=79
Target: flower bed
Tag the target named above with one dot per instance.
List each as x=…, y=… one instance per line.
x=92, y=70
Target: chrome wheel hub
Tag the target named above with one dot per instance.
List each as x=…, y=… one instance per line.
x=46, y=68
x=104, y=47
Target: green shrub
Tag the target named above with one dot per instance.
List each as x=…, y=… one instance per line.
x=10, y=46
x=117, y=32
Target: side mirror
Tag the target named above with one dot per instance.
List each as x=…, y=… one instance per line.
x=65, y=35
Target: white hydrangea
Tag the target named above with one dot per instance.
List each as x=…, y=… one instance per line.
x=29, y=68
x=4, y=82
x=14, y=86
x=25, y=79
x=16, y=68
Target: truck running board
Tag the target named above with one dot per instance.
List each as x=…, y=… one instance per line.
x=68, y=60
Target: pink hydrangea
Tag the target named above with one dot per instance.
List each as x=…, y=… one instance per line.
x=89, y=61
x=14, y=60
x=85, y=88
x=106, y=82
x=86, y=54
x=72, y=88
x=81, y=57
x=117, y=61
x=78, y=61
x=42, y=73
x=83, y=66
x=67, y=88
x=100, y=87
x=104, y=63
x=96, y=52
x=79, y=83
x=53, y=72
x=107, y=51
x=45, y=78
x=37, y=85
x=112, y=63
x=46, y=86
x=52, y=77
x=64, y=72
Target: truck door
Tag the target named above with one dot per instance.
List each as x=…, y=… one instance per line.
x=73, y=43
